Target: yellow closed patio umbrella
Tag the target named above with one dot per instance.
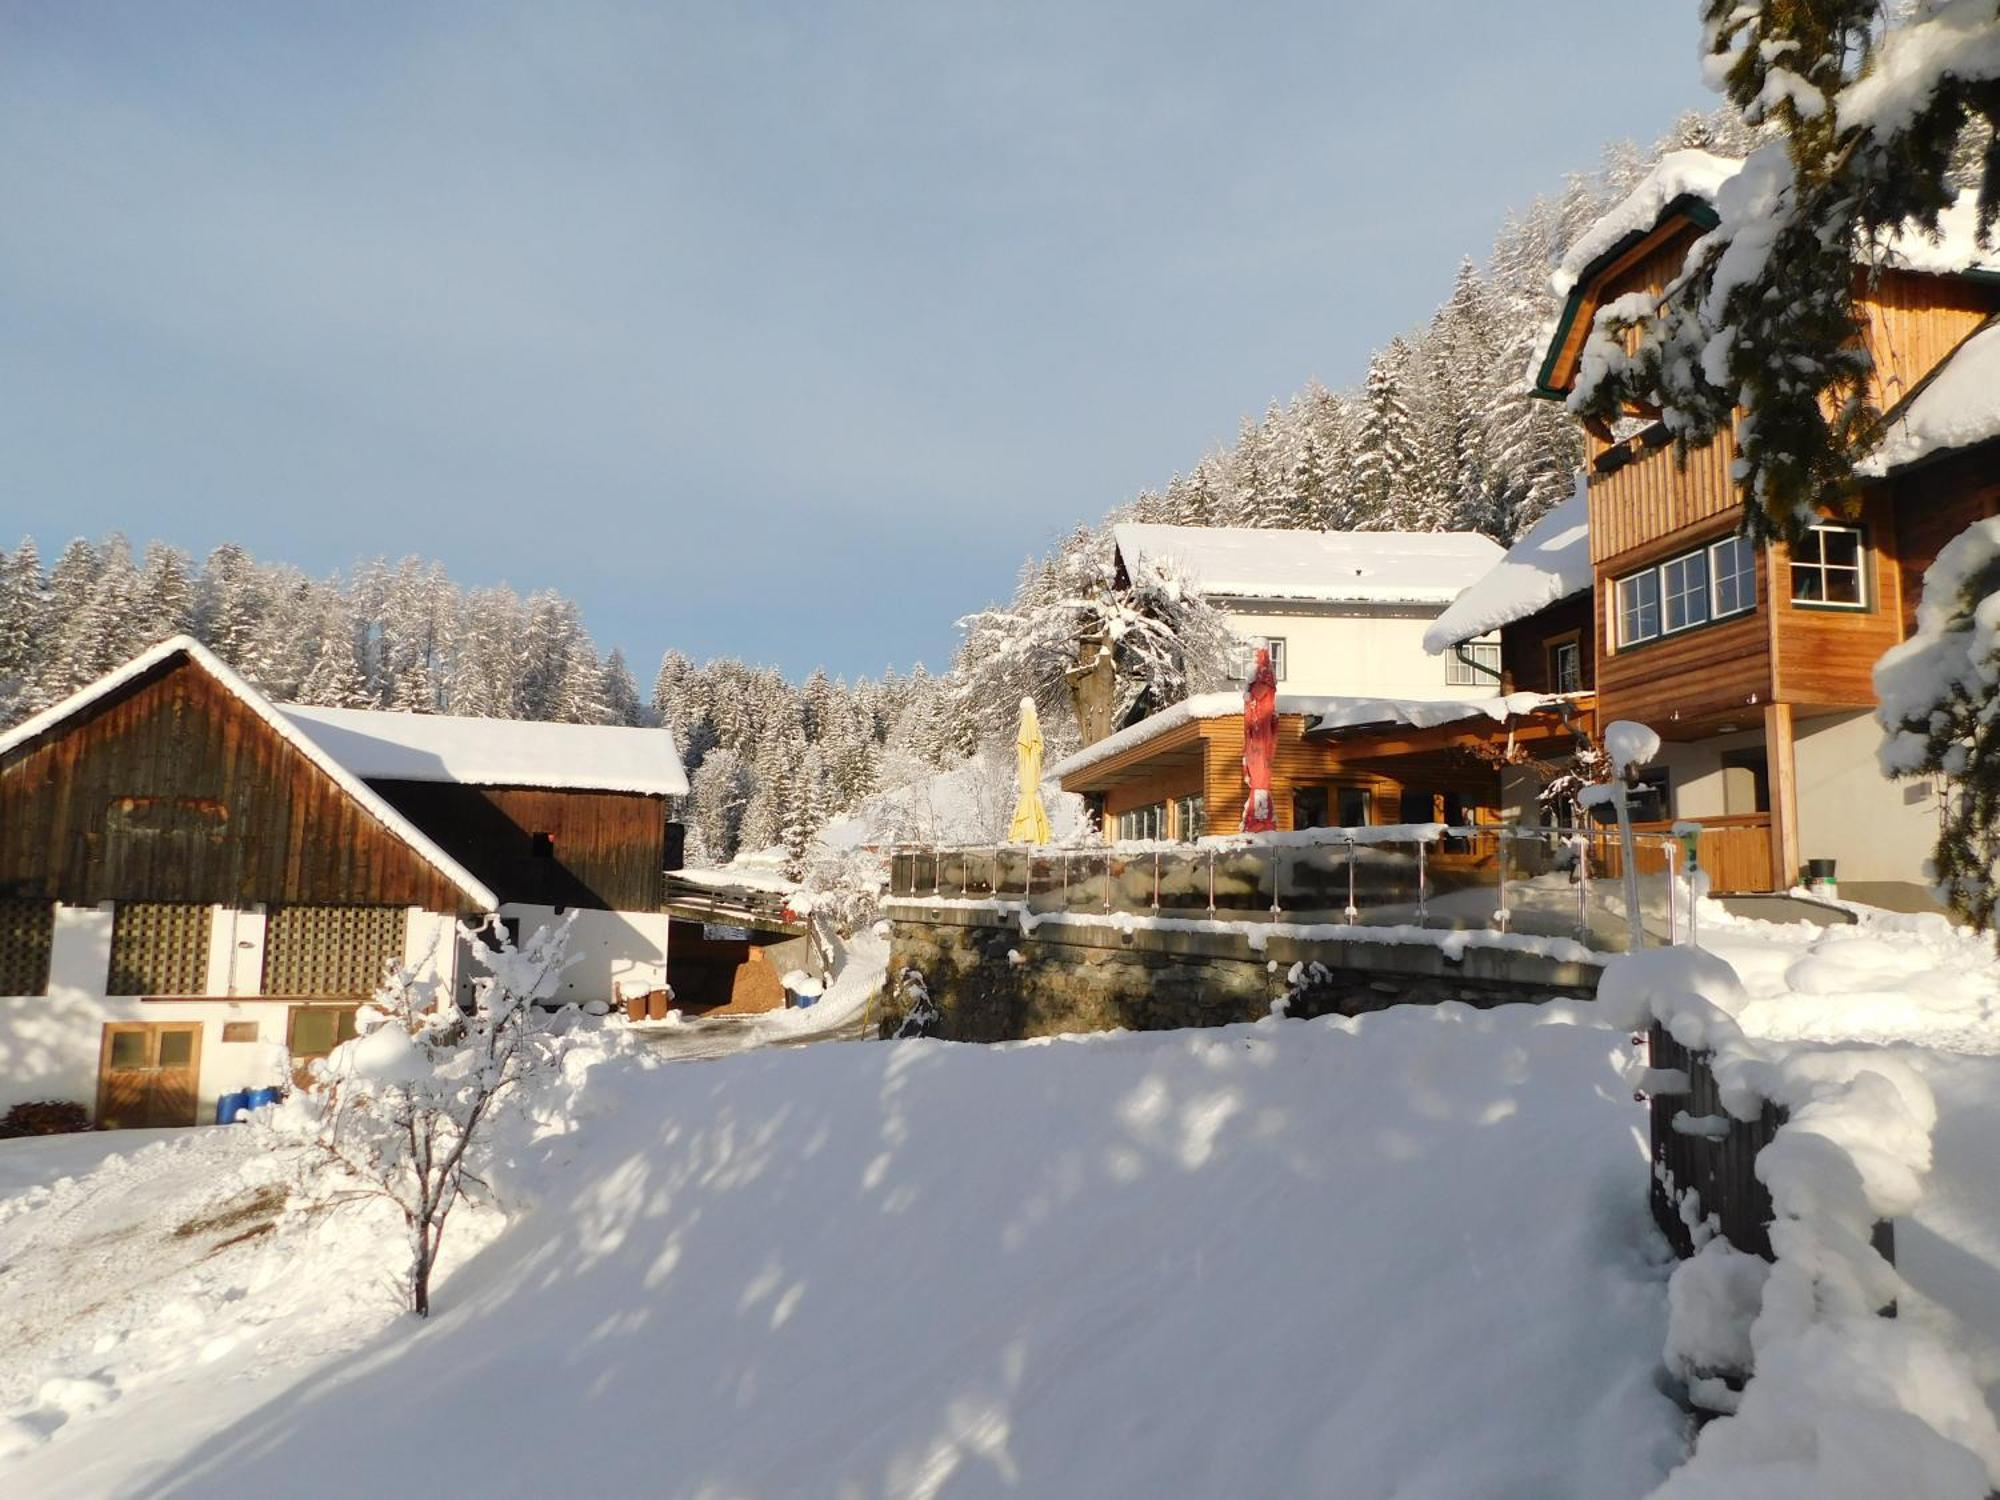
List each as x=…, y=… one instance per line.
x=1031, y=819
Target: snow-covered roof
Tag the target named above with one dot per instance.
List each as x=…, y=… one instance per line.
x=1678, y=174
x=348, y=780
x=495, y=752
x=1221, y=705
x=1549, y=563
x=1957, y=406
x=1331, y=567
x=1953, y=249
x=1428, y=713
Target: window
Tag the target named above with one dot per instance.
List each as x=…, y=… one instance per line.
x=1143, y=822
x=1275, y=644
x=542, y=845
x=317, y=1029
x=1687, y=591
x=1355, y=805
x=1474, y=664
x=1638, y=607
x=1684, y=591
x=1733, y=567
x=1190, y=818
x=1309, y=807
x=1566, y=667
x=1826, y=569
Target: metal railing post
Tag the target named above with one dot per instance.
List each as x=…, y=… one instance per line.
x=1423, y=884
x=1353, y=912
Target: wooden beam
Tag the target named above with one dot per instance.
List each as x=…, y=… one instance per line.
x=1781, y=759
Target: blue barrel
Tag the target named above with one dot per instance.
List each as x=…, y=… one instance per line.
x=259, y=1098
x=229, y=1106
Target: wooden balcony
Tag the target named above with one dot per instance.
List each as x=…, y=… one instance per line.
x=1735, y=851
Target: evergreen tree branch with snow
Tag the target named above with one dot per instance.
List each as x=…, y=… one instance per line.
x=1880, y=124
x=1940, y=693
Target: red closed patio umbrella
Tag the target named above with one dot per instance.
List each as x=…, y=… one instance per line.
x=1260, y=744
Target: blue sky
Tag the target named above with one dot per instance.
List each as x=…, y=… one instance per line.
x=778, y=330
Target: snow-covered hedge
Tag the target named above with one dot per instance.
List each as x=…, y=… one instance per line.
x=1841, y=1402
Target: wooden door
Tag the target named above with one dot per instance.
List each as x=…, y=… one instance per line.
x=146, y=1074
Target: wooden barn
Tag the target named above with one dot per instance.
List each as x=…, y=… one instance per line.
x=194, y=896
x=560, y=820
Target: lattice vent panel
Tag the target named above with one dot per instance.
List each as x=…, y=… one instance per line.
x=330, y=950
x=160, y=948
x=27, y=932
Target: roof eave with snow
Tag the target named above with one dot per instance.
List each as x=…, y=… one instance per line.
x=1549, y=564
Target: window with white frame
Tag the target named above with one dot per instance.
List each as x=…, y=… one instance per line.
x=1826, y=569
x=1639, y=607
x=1732, y=570
x=1275, y=644
x=1684, y=592
x=1566, y=667
x=1473, y=664
x=1711, y=583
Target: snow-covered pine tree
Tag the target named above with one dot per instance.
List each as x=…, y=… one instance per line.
x=335, y=679
x=1385, y=445
x=620, y=692
x=718, y=793
x=166, y=593
x=69, y=643
x=230, y=607
x=22, y=611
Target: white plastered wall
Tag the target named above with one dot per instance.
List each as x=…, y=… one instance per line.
x=1878, y=829
x=1700, y=785
x=1349, y=651
x=49, y=1044
x=612, y=953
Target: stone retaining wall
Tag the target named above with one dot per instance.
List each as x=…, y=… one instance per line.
x=991, y=982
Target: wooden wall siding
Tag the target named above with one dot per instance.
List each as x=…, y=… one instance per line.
x=27, y=933
x=1159, y=786
x=159, y=948
x=1692, y=677
x=173, y=790
x=1912, y=322
x=330, y=950
x=1524, y=645
x=609, y=847
x=1653, y=498
x=1825, y=658
x=1933, y=505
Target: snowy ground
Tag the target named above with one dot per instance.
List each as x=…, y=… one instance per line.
x=839, y=1014
x=1406, y=1254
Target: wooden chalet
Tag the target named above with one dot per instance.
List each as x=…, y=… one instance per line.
x=1755, y=663
x=194, y=896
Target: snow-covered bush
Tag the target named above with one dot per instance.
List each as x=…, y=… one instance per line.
x=1939, y=707
x=1841, y=1403
x=404, y=1108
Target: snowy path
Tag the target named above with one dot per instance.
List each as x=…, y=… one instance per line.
x=1403, y=1255
x=841, y=1014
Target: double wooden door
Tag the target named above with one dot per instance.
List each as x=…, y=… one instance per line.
x=147, y=1074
